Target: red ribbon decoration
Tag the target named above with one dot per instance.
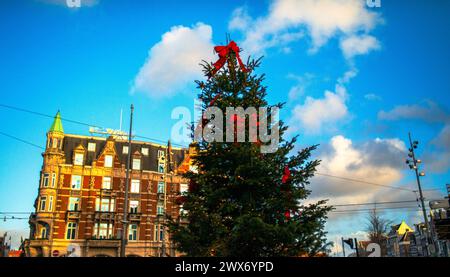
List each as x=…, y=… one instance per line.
x=223, y=51
x=286, y=175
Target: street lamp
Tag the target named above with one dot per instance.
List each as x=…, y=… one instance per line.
x=413, y=162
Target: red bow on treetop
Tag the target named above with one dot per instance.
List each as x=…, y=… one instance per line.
x=223, y=52
x=286, y=175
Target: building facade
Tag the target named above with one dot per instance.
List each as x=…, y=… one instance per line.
x=80, y=202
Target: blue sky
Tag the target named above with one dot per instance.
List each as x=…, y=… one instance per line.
x=355, y=80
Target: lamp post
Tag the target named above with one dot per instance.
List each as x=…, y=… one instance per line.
x=123, y=242
x=413, y=163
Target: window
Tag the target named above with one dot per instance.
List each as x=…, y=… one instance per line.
x=104, y=205
x=106, y=183
x=144, y=151
x=43, y=203
x=161, y=168
x=160, y=153
x=132, y=232
x=108, y=161
x=159, y=232
x=45, y=178
x=160, y=187
x=134, y=206
x=125, y=150
x=55, y=143
x=91, y=146
x=103, y=230
x=76, y=182
x=136, y=164
x=43, y=233
x=71, y=230
x=53, y=179
x=50, y=204
x=183, y=188
x=74, y=204
x=78, y=160
x=160, y=209
x=135, y=184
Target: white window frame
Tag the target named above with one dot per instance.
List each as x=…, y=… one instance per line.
x=159, y=209
x=103, y=230
x=45, y=180
x=71, y=229
x=91, y=146
x=161, y=153
x=134, y=206
x=135, y=186
x=133, y=233
x=159, y=232
x=106, y=182
x=50, y=203
x=74, y=185
x=74, y=204
x=136, y=165
x=160, y=187
x=109, y=161
x=42, y=203
x=53, y=179
x=184, y=188
x=144, y=151
x=105, y=205
x=43, y=233
x=125, y=149
x=78, y=159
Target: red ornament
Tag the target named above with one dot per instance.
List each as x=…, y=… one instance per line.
x=223, y=51
x=287, y=214
x=286, y=175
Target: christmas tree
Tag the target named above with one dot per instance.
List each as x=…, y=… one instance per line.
x=241, y=201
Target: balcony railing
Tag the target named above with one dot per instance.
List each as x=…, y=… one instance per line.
x=73, y=215
x=134, y=216
x=104, y=215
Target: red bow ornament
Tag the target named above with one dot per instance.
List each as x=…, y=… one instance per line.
x=223, y=52
x=286, y=175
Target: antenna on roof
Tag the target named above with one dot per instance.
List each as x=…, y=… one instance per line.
x=120, y=126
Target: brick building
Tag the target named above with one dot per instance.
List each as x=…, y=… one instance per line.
x=81, y=196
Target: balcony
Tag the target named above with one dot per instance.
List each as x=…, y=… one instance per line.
x=73, y=215
x=134, y=216
x=104, y=215
x=106, y=192
x=160, y=196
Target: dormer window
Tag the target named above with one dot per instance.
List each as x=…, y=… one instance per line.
x=91, y=146
x=78, y=160
x=136, y=164
x=108, y=160
x=125, y=150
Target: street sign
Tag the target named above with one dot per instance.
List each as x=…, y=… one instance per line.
x=55, y=253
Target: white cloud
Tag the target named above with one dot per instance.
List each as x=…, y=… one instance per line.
x=287, y=20
x=173, y=62
x=82, y=3
x=378, y=161
x=358, y=45
x=431, y=112
x=317, y=113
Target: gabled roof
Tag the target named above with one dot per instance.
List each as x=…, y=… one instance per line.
x=57, y=124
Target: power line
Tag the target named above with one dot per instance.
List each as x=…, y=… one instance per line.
x=382, y=208
x=362, y=181
x=374, y=203
x=21, y=140
x=78, y=122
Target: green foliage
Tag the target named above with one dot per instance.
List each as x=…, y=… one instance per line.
x=237, y=202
